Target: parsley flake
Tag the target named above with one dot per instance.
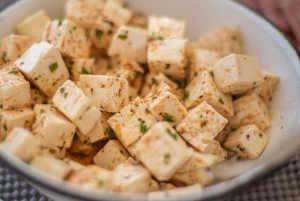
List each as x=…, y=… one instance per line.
x=52, y=151
x=143, y=127
x=221, y=101
x=53, y=67
x=98, y=33
x=122, y=36
x=168, y=117
x=42, y=111
x=85, y=71
x=167, y=158
x=14, y=72
x=60, y=22
x=62, y=90
x=173, y=135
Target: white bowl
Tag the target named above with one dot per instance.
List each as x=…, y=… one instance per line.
x=261, y=40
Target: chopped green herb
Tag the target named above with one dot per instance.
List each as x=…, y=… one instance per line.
x=160, y=38
x=168, y=66
x=56, y=108
x=59, y=22
x=186, y=94
x=62, y=90
x=109, y=32
x=52, y=151
x=54, y=83
x=14, y=72
x=168, y=117
x=242, y=149
x=71, y=62
x=122, y=36
x=42, y=111
x=233, y=129
x=153, y=81
x=233, y=37
x=65, y=95
x=53, y=67
x=167, y=158
x=173, y=135
x=195, y=74
x=201, y=115
x=85, y=71
x=36, y=78
x=203, y=124
x=221, y=100
x=5, y=127
x=98, y=33
x=109, y=67
x=143, y=127
x=178, y=82
x=137, y=74
x=86, y=141
x=21, y=63
x=110, y=133
x=70, y=71
x=254, y=83
x=125, y=5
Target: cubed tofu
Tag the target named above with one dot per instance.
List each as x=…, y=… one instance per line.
x=109, y=94
x=37, y=97
x=51, y=128
x=250, y=109
x=130, y=42
x=75, y=105
x=216, y=149
x=10, y=119
x=34, y=25
x=164, y=105
x=225, y=40
x=161, y=27
x=116, y=14
x=167, y=56
x=236, y=74
x=132, y=122
x=21, y=143
x=14, y=89
x=51, y=166
x=248, y=141
x=78, y=67
x=76, y=166
x=198, y=176
x=43, y=65
x=69, y=38
x=59, y=153
x=111, y=155
x=202, y=88
x=162, y=151
x=201, y=125
x=12, y=48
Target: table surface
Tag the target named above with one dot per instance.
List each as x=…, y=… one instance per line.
x=283, y=185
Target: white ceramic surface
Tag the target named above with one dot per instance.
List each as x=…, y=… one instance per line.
x=261, y=40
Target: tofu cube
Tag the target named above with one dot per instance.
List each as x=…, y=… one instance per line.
x=116, y=14
x=201, y=125
x=34, y=25
x=250, y=109
x=51, y=128
x=132, y=122
x=202, y=88
x=69, y=38
x=248, y=141
x=198, y=176
x=21, y=143
x=130, y=42
x=10, y=119
x=216, y=149
x=75, y=105
x=111, y=155
x=225, y=40
x=164, y=105
x=37, y=97
x=162, y=151
x=167, y=56
x=14, y=89
x=78, y=67
x=12, y=48
x=236, y=74
x=43, y=65
x=109, y=94
x=161, y=27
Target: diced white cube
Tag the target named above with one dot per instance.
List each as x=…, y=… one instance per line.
x=69, y=38
x=250, y=109
x=202, y=88
x=34, y=25
x=198, y=176
x=76, y=166
x=43, y=65
x=14, y=89
x=10, y=119
x=167, y=56
x=75, y=105
x=116, y=14
x=132, y=122
x=37, y=97
x=162, y=151
x=248, y=141
x=216, y=149
x=78, y=67
x=236, y=74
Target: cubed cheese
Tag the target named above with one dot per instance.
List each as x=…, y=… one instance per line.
x=116, y=14
x=202, y=88
x=14, y=89
x=167, y=56
x=37, y=97
x=43, y=65
x=10, y=119
x=70, y=39
x=248, y=141
x=77, y=67
x=236, y=74
x=201, y=125
x=250, y=109
x=132, y=122
x=162, y=151
x=75, y=105
x=216, y=149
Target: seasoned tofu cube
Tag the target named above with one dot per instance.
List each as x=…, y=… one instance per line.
x=225, y=40
x=10, y=119
x=14, y=89
x=34, y=25
x=109, y=94
x=161, y=27
x=250, y=109
x=162, y=151
x=236, y=74
x=12, y=48
x=248, y=141
x=130, y=42
x=167, y=56
x=201, y=125
x=111, y=155
x=21, y=143
x=51, y=128
x=75, y=105
x=59, y=153
x=132, y=122
x=116, y=13
x=77, y=67
x=69, y=38
x=164, y=105
x=37, y=97
x=198, y=176
x=76, y=166
x=216, y=149
x=43, y=65
x=202, y=88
